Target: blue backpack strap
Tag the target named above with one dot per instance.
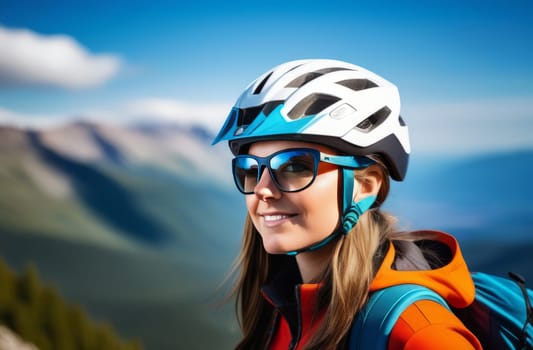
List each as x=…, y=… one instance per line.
x=374, y=323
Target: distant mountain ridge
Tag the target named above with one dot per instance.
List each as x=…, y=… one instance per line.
x=135, y=182
x=175, y=147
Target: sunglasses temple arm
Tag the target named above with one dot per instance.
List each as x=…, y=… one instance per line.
x=347, y=161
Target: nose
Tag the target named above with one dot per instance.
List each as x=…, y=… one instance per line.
x=266, y=187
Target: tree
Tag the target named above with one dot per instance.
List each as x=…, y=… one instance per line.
x=39, y=315
x=7, y=285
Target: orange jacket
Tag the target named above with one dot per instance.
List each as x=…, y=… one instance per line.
x=423, y=325
x=427, y=324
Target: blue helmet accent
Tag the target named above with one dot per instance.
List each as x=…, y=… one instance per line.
x=264, y=125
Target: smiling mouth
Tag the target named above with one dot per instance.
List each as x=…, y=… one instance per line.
x=277, y=217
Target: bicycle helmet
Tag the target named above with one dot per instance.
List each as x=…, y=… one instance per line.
x=329, y=102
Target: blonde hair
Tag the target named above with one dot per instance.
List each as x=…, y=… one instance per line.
x=345, y=283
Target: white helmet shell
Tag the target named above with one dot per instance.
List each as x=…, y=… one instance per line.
x=329, y=102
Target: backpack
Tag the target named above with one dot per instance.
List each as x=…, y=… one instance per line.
x=501, y=316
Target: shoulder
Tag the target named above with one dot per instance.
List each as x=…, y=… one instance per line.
x=427, y=324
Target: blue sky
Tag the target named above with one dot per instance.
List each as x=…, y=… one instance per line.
x=463, y=67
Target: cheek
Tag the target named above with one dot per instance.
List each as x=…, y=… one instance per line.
x=325, y=201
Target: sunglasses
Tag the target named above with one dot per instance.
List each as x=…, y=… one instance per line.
x=292, y=170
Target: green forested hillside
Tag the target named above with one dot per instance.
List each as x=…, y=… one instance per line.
x=166, y=302
x=39, y=315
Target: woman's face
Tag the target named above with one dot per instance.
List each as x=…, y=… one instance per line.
x=291, y=221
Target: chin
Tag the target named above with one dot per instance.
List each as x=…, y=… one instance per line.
x=279, y=248
x=275, y=250
x=276, y=247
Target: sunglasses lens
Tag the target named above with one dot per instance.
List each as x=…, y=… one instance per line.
x=245, y=173
x=291, y=170
x=294, y=170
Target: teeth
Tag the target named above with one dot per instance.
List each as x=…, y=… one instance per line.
x=275, y=217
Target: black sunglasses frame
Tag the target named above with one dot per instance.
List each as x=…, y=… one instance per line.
x=344, y=161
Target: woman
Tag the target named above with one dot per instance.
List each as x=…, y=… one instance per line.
x=315, y=143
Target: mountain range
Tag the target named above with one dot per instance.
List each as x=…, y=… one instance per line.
x=486, y=197
x=140, y=223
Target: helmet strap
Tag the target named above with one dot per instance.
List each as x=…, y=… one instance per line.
x=351, y=212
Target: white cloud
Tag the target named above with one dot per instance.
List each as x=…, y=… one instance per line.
x=28, y=58
x=23, y=120
x=471, y=127
x=209, y=115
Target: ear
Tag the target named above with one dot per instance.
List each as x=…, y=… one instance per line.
x=368, y=182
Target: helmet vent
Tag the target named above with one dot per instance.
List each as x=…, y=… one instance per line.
x=307, y=77
x=311, y=105
x=248, y=115
x=357, y=84
x=270, y=106
x=374, y=120
x=261, y=84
